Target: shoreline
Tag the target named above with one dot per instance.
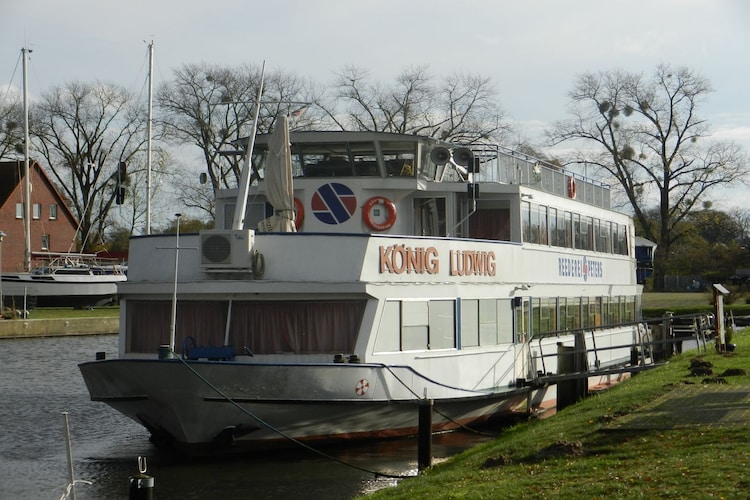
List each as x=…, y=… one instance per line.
x=38, y=328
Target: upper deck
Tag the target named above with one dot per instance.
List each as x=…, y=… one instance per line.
x=343, y=182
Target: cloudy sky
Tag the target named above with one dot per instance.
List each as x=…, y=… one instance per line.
x=532, y=49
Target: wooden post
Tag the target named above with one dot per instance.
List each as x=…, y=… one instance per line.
x=424, y=448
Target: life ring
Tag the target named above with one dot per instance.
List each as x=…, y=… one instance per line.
x=299, y=214
x=390, y=210
x=571, y=188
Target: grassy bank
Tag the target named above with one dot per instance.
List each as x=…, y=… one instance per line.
x=69, y=312
x=574, y=454
x=656, y=303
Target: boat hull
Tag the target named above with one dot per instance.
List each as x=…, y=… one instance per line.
x=43, y=291
x=202, y=407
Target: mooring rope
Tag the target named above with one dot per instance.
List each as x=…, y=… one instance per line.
x=285, y=435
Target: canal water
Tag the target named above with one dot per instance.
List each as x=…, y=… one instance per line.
x=39, y=380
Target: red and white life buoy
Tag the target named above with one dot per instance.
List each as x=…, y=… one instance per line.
x=571, y=188
x=299, y=214
x=390, y=213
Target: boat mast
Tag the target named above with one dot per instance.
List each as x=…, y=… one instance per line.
x=244, y=187
x=26, y=179
x=150, y=122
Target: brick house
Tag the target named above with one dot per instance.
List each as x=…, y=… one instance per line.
x=53, y=226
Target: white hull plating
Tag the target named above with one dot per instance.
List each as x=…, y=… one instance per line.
x=201, y=407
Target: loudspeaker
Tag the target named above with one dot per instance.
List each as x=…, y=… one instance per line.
x=440, y=155
x=463, y=157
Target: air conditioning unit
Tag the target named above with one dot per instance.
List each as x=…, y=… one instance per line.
x=227, y=249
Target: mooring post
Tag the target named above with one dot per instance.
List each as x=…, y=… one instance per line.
x=141, y=486
x=424, y=450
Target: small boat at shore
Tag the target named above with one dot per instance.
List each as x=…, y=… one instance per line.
x=358, y=275
x=67, y=279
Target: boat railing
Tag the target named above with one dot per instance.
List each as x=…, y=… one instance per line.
x=503, y=165
x=652, y=341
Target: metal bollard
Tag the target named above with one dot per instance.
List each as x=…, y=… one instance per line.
x=141, y=486
x=424, y=447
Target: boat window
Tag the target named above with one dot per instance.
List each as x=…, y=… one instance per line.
x=400, y=158
x=442, y=331
x=553, y=235
x=543, y=239
x=486, y=322
x=526, y=221
x=335, y=160
x=430, y=217
x=568, y=230
x=265, y=327
x=469, y=323
x=388, y=339
x=428, y=324
x=414, y=325
x=490, y=224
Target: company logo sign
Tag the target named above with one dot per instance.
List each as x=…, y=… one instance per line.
x=333, y=203
x=572, y=267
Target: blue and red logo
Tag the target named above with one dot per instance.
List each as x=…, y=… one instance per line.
x=333, y=203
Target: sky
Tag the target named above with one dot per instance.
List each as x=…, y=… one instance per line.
x=532, y=49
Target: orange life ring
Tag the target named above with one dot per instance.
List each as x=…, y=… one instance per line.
x=390, y=209
x=571, y=188
x=299, y=214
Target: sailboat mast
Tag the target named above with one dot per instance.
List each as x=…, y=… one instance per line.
x=27, y=179
x=150, y=123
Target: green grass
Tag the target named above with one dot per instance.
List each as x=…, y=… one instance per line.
x=66, y=313
x=683, y=463
x=676, y=299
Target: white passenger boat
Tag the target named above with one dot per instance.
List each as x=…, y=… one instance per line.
x=411, y=270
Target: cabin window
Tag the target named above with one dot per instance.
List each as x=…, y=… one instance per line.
x=486, y=322
x=490, y=224
x=544, y=315
x=577, y=240
x=469, y=323
x=53, y=212
x=264, y=327
x=399, y=158
x=430, y=217
x=554, y=238
x=525, y=221
x=567, y=229
x=388, y=339
x=605, y=237
x=414, y=325
x=442, y=331
x=543, y=239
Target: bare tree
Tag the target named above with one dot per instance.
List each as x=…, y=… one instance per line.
x=460, y=108
x=83, y=131
x=212, y=107
x=11, y=126
x=647, y=135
